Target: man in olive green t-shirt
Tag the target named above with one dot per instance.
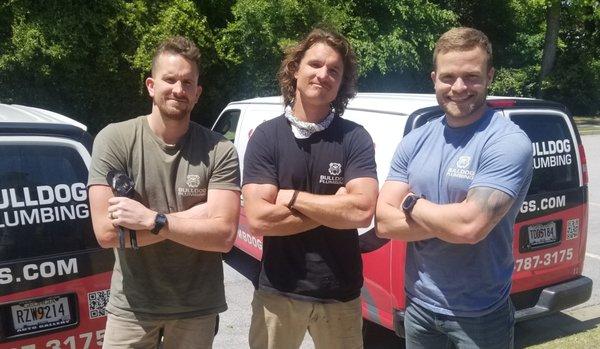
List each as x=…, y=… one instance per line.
x=185, y=212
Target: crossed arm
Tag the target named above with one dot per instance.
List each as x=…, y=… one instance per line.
x=466, y=222
x=210, y=226
x=267, y=212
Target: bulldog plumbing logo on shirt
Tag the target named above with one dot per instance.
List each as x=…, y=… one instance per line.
x=192, y=182
x=42, y=204
x=461, y=170
x=335, y=169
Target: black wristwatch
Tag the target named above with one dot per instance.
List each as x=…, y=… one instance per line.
x=159, y=222
x=409, y=202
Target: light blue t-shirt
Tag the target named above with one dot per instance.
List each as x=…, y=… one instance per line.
x=443, y=163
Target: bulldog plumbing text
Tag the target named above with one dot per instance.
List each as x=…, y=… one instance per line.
x=42, y=204
x=552, y=153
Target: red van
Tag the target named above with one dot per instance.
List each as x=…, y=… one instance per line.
x=550, y=231
x=54, y=277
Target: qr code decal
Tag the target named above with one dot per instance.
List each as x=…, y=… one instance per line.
x=572, y=228
x=97, y=303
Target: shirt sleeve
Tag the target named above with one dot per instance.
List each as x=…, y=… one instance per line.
x=108, y=153
x=399, y=163
x=361, y=156
x=259, y=159
x=505, y=164
x=226, y=167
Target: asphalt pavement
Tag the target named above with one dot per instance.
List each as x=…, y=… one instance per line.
x=235, y=322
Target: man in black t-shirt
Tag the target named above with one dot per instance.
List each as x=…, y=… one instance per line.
x=309, y=181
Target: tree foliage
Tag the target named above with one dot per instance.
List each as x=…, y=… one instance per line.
x=89, y=60
x=66, y=57
x=575, y=79
x=390, y=38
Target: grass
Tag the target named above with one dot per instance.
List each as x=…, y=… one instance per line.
x=583, y=340
x=588, y=124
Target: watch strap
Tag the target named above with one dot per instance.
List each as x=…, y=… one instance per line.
x=159, y=222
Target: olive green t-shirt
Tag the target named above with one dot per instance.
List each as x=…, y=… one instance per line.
x=166, y=280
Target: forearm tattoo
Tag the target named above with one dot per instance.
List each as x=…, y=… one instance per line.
x=495, y=203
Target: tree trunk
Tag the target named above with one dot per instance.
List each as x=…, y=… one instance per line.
x=550, y=41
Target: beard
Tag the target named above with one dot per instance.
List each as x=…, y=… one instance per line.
x=174, y=113
x=463, y=111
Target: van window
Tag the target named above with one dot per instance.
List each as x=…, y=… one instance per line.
x=43, y=201
x=227, y=124
x=554, y=154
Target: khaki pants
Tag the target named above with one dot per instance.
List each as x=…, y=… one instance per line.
x=197, y=332
x=280, y=322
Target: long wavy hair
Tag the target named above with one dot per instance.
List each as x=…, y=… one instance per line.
x=294, y=54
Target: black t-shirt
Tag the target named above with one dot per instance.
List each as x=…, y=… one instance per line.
x=323, y=263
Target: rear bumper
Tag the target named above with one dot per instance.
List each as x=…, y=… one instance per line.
x=558, y=297
x=551, y=299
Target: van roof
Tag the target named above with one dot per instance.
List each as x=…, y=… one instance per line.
x=393, y=103
x=14, y=113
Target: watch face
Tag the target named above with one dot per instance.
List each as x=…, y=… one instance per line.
x=409, y=202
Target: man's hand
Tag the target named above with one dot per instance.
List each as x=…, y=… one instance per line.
x=130, y=214
x=390, y=220
x=350, y=207
x=105, y=228
x=268, y=215
x=465, y=222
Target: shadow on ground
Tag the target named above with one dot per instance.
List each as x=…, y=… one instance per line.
x=549, y=328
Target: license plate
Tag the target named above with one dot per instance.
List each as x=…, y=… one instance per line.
x=542, y=234
x=40, y=314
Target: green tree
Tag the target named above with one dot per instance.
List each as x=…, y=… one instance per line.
x=575, y=79
x=550, y=40
x=393, y=39
x=89, y=60
x=66, y=57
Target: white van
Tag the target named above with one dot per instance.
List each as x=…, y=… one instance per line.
x=547, y=275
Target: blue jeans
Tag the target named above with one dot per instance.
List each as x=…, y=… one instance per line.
x=428, y=330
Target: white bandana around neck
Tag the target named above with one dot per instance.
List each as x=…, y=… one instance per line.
x=302, y=129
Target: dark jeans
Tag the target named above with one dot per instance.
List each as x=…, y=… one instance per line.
x=426, y=329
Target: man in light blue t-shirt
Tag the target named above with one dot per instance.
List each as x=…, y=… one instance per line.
x=454, y=189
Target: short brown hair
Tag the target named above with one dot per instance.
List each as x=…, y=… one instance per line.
x=291, y=62
x=462, y=39
x=178, y=45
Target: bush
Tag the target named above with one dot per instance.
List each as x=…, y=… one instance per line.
x=520, y=82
